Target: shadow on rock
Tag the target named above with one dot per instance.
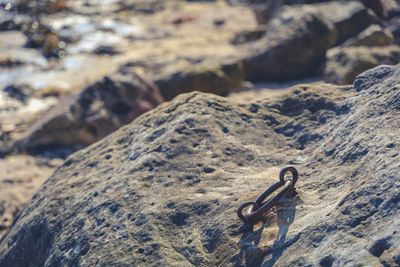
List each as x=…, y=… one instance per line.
x=252, y=253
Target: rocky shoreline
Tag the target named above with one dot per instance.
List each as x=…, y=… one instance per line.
x=158, y=118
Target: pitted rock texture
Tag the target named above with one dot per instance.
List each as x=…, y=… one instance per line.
x=164, y=190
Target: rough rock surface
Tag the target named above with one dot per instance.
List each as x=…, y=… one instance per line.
x=277, y=55
x=96, y=111
x=164, y=189
x=344, y=64
x=210, y=77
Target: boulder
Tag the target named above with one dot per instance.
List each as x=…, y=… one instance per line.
x=394, y=28
x=210, y=77
x=99, y=109
x=349, y=18
x=264, y=11
x=20, y=92
x=374, y=35
x=385, y=9
x=343, y=12
x=378, y=6
x=164, y=190
x=293, y=46
x=298, y=37
x=248, y=35
x=344, y=64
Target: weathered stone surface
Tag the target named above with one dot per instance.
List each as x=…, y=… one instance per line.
x=164, y=189
x=210, y=77
x=294, y=45
x=96, y=111
x=344, y=64
x=374, y=35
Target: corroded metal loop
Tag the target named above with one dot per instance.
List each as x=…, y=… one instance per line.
x=261, y=206
x=242, y=207
x=260, y=199
x=254, y=216
x=293, y=170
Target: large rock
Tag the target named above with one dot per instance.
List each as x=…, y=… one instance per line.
x=210, y=77
x=294, y=46
x=344, y=64
x=349, y=18
x=265, y=10
x=394, y=29
x=164, y=190
x=248, y=35
x=374, y=35
x=96, y=111
x=298, y=37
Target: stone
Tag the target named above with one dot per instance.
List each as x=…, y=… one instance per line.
x=349, y=18
x=344, y=64
x=376, y=5
x=298, y=37
x=99, y=109
x=293, y=47
x=248, y=35
x=20, y=92
x=385, y=9
x=374, y=35
x=145, y=195
x=264, y=11
x=211, y=77
x=394, y=28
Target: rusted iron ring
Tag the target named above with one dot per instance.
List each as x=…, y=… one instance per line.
x=242, y=207
x=260, y=207
x=293, y=170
